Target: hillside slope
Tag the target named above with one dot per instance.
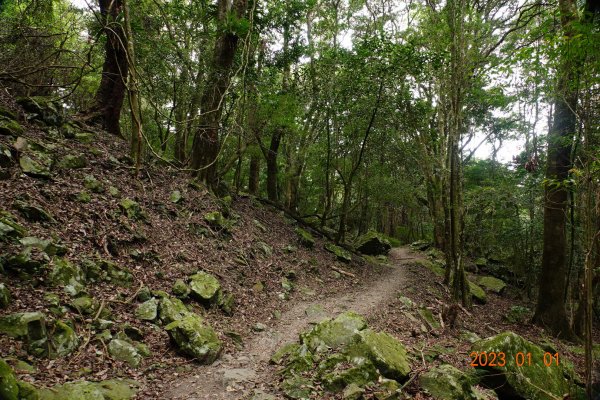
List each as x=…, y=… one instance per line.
x=76, y=198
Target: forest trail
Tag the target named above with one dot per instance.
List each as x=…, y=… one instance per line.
x=237, y=376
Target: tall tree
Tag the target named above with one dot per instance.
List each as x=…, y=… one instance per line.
x=108, y=101
x=206, y=146
x=550, y=310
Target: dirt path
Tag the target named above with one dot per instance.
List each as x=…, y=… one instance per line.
x=237, y=376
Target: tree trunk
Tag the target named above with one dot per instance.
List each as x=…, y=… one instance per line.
x=254, y=174
x=272, y=168
x=108, y=101
x=550, y=311
x=206, y=146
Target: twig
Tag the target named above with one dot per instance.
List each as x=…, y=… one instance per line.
x=341, y=271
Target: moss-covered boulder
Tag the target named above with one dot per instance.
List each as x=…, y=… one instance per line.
x=492, y=284
x=44, y=109
x=63, y=340
x=147, y=311
x=340, y=253
x=114, y=389
x=204, y=286
x=10, y=127
x=33, y=168
x=9, y=388
x=194, y=337
x=532, y=381
x=384, y=351
x=448, y=383
x=122, y=350
x=4, y=296
x=373, y=243
x=334, y=333
x=17, y=325
x=72, y=161
x=171, y=309
x=305, y=238
x=359, y=371
x=477, y=293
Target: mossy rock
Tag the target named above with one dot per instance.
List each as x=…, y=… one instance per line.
x=333, y=333
x=361, y=373
x=33, y=168
x=44, y=109
x=147, y=311
x=17, y=325
x=384, y=351
x=63, y=340
x=9, y=388
x=340, y=253
x=305, y=238
x=194, y=337
x=85, y=305
x=171, y=309
x=132, y=209
x=67, y=274
x=114, y=389
x=373, y=243
x=477, y=293
x=92, y=184
x=4, y=296
x=427, y=316
x=72, y=161
x=226, y=302
x=180, y=289
x=6, y=113
x=33, y=212
x=517, y=314
x=175, y=197
x=217, y=221
x=47, y=246
x=10, y=127
x=9, y=228
x=297, y=387
x=430, y=265
x=492, y=284
x=115, y=273
x=533, y=381
x=448, y=383
x=124, y=351
x=205, y=287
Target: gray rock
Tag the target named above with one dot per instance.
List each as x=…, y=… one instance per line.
x=124, y=351
x=148, y=310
